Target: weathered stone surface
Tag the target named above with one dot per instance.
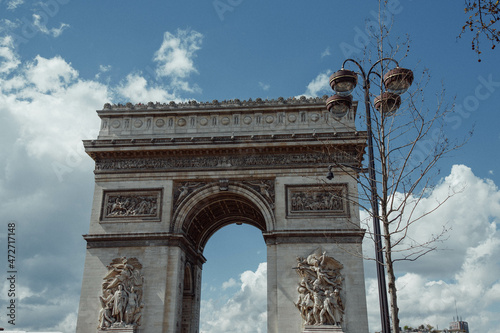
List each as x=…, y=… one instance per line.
x=168, y=176
x=323, y=329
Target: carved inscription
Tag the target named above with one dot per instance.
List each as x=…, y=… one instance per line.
x=319, y=300
x=306, y=200
x=131, y=205
x=121, y=298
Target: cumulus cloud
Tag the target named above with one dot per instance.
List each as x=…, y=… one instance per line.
x=8, y=59
x=137, y=90
x=319, y=85
x=46, y=179
x=175, y=57
x=245, y=311
x=466, y=267
x=46, y=110
x=229, y=284
x=53, y=109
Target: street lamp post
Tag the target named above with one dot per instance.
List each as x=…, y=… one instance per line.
x=396, y=81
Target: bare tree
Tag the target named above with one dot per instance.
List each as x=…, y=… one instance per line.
x=408, y=146
x=483, y=16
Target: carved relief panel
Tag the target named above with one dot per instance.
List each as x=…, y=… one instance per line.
x=131, y=205
x=307, y=200
x=121, y=299
x=319, y=300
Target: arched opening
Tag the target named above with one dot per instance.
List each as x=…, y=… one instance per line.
x=218, y=211
x=227, y=295
x=240, y=212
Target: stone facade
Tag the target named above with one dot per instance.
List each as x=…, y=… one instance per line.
x=168, y=176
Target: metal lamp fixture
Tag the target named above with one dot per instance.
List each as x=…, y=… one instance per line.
x=343, y=82
x=339, y=105
x=396, y=81
x=387, y=103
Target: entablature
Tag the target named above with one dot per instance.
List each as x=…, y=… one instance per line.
x=193, y=119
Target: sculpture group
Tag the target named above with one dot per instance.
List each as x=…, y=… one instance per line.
x=319, y=300
x=121, y=299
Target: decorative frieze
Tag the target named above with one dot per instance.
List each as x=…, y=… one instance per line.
x=319, y=300
x=216, y=162
x=121, y=298
x=131, y=205
x=307, y=200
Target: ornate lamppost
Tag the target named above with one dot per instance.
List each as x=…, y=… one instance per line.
x=396, y=82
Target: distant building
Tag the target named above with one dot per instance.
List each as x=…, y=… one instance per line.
x=459, y=326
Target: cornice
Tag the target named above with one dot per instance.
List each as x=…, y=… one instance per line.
x=217, y=105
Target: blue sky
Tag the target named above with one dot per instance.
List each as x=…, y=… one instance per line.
x=60, y=60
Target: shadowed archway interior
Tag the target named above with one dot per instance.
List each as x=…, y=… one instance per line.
x=217, y=211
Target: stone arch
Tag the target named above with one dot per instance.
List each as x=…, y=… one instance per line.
x=209, y=208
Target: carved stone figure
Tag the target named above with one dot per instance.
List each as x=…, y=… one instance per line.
x=121, y=299
x=121, y=205
x=319, y=300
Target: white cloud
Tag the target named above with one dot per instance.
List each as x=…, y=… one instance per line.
x=175, y=56
x=54, y=32
x=50, y=74
x=8, y=59
x=325, y=53
x=465, y=269
x=320, y=85
x=104, y=69
x=136, y=89
x=229, y=284
x=53, y=109
x=13, y=4
x=46, y=179
x=264, y=86
x=244, y=312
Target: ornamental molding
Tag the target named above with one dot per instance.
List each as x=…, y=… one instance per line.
x=223, y=162
x=347, y=137
x=192, y=119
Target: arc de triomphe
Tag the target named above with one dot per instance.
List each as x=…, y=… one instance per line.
x=168, y=176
